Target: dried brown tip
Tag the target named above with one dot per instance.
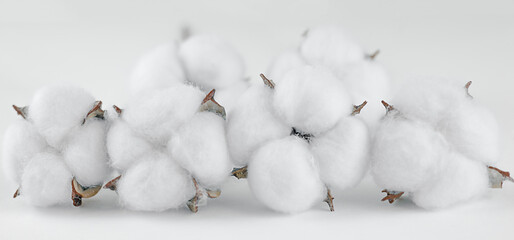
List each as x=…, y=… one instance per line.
x=210, y=105
x=392, y=196
x=96, y=111
x=22, y=111
x=497, y=181
x=387, y=106
x=240, y=173
x=79, y=192
x=117, y=109
x=213, y=193
x=329, y=200
x=192, y=204
x=357, y=108
x=17, y=193
x=267, y=82
x=112, y=184
x=468, y=84
x=374, y=55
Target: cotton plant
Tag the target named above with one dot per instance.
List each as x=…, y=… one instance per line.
x=438, y=144
x=169, y=146
x=332, y=47
x=297, y=139
x=206, y=61
x=57, y=147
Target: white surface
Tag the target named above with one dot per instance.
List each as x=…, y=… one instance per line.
x=95, y=44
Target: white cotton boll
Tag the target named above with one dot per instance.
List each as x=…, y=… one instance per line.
x=283, y=175
x=46, y=180
x=406, y=155
x=155, y=183
x=156, y=114
x=462, y=179
x=311, y=99
x=228, y=97
x=252, y=123
x=159, y=68
x=21, y=143
x=85, y=153
x=55, y=111
x=330, y=46
x=283, y=63
x=200, y=147
x=342, y=153
x=367, y=81
x=124, y=146
x=210, y=62
x=473, y=131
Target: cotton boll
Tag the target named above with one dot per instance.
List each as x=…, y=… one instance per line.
x=210, y=62
x=156, y=114
x=200, y=147
x=228, y=97
x=252, y=123
x=85, y=153
x=46, y=180
x=406, y=155
x=462, y=179
x=474, y=132
x=124, y=146
x=330, y=46
x=155, y=183
x=311, y=99
x=157, y=69
x=55, y=111
x=342, y=153
x=367, y=81
x=21, y=143
x=283, y=63
x=283, y=175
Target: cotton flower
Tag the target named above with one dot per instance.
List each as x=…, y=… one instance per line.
x=436, y=143
x=58, y=147
x=291, y=138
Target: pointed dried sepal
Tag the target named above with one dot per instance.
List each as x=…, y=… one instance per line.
x=497, y=177
x=387, y=106
x=306, y=136
x=468, y=84
x=329, y=200
x=374, y=55
x=240, y=173
x=22, y=111
x=267, y=82
x=392, y=196
x=118, y=110
x=210, y=105
x=17, y=193
x=79, y=192
x=213, y=193
x=357, y=108
x=192, y=204
x=112, y=184
x=95, y=112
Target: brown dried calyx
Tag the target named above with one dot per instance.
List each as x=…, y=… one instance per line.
x=210, y=105
x=22, y=111
x=357, y=108
x=392, y=196
x=95, y=112
x=118, y=110
x=78, y=192
x=306, y=136
x=468, y=84
x=17, y=193
x=112, y=184
x=374, y=55
x=497, y=177
x=240, y=173
x=267, y=82
x=329, y=200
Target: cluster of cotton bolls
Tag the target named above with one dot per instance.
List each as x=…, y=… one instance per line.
x=169, y=147
x=57, y=148
x=364, y=77
x=296, y=140
x=436, y=143
x=205, y=61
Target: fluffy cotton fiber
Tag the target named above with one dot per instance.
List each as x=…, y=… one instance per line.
x=54, y=144
x=284, y=176
x=436, y=144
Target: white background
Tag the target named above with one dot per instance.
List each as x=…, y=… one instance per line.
x=95, y=44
